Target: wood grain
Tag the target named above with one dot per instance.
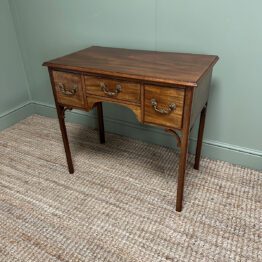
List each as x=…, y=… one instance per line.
x=161, y=67
x=164, y=96
x=184, y=148
x=200, y=97
x=129, y=91
x=69, y=80
x=168, y=78
x=93, y=100
x=61, y=117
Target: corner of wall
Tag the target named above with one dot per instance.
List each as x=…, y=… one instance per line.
x=212, y=149
x=15, y=18
x=20, y=111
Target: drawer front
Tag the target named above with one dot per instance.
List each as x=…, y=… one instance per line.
x=69, y=90
x=164, y=106
x=112, y=89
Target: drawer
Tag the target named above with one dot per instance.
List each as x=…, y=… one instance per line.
x=112, y=89
x=68, y=88
x=164, y=106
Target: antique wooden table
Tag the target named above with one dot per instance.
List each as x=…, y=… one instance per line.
x=168, y=90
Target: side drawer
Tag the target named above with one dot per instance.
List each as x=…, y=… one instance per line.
x=68, y=88
x=112, y=89
x=164, y=106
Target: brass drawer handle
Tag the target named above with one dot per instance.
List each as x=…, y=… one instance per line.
x=171, y=107
x=67, y=92
x=118, y=89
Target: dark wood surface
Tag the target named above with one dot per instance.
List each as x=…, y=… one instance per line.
x=200, y=137
x=164, y=97
x=161, y=67
x=100, y=122
x=135, y=79
x=69, y=81
x=61, y=117
x=184, y=148
x=129, y=91
x=200, y=98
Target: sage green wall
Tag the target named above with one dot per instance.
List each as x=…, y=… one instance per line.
x=13, y=83
x=48, y=29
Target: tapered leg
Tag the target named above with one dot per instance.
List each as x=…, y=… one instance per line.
x=182, y=170
x=101, y=123
x=200, y=137
x=61, y=117
x=184, y=148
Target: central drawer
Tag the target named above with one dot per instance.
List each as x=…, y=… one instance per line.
x=112, y=89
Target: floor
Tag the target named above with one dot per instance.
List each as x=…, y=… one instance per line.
x=120, y=203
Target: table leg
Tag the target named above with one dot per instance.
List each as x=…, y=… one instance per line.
x=101, y=122
x=61, y=118
x=200, y=137
x=182, y=170
x=184, y=148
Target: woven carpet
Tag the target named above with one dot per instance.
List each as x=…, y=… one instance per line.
x=120, y=203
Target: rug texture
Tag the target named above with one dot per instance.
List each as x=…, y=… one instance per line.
x=120, y=203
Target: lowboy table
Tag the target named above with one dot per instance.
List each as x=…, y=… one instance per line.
x=169, y=90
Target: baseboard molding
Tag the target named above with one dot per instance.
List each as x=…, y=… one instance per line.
x=16, y=114
x=211, y=149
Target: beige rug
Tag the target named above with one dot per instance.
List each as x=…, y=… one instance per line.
x=120, y=203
